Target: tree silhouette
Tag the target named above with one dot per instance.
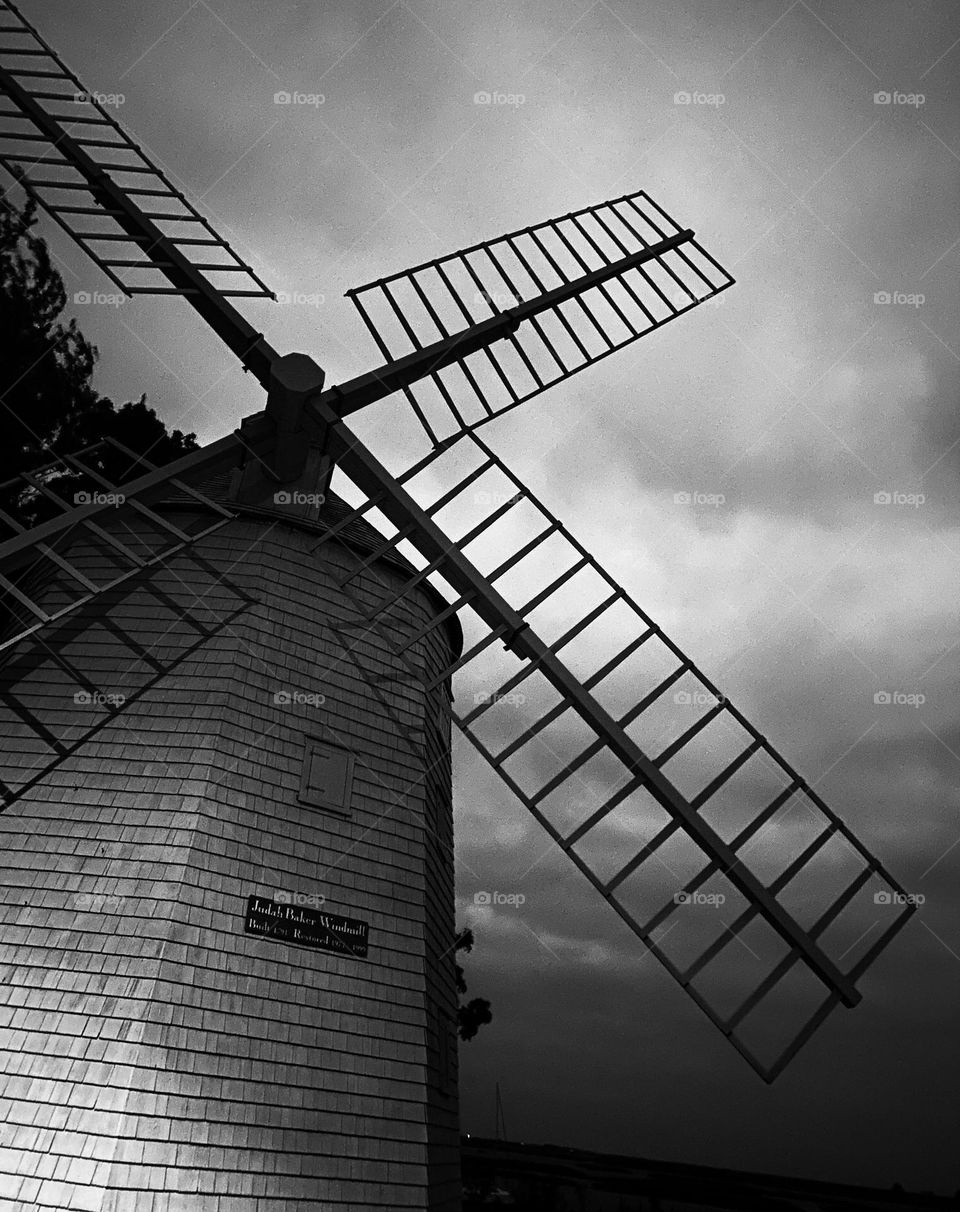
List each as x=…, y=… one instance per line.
x=473, y=1014
x=47, y=401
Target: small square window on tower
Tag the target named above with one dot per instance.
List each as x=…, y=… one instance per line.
x=327, y=777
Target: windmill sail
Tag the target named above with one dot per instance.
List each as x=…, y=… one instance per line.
x=63, y=146
x=137, y=537
x=616, y=271
x=673, y=800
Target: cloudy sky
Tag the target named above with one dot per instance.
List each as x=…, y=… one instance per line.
x=793, y=403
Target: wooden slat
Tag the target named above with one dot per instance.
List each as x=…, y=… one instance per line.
x=673, y=749
x=645, y=852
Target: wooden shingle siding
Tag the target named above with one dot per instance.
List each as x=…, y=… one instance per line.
x=152, y=1055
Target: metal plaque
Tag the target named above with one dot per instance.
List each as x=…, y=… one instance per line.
x=305, y=927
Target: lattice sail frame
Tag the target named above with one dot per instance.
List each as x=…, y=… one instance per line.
x=417, y=307
x=137, y=536
x=60, y=143
x=718, y=812
x=91, y=127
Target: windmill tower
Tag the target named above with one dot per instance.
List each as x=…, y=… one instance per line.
x=227, y=896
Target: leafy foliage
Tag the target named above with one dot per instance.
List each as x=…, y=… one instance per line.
x=50, y=407
x=471, y=1015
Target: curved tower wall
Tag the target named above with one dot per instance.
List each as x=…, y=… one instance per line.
x=153, y=1054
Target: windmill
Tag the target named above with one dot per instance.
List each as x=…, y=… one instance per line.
x=288, y=547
